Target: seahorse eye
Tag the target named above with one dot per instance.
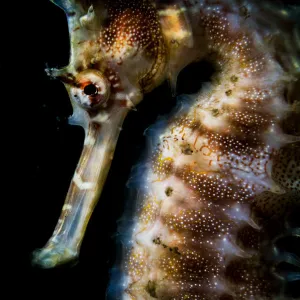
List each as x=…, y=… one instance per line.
x=91, y=89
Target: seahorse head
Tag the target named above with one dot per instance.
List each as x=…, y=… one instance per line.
x=122, y=49
x=117, y=52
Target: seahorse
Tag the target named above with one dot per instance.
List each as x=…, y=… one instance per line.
x=219, y=184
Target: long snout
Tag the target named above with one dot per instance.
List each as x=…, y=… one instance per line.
x=84, y=191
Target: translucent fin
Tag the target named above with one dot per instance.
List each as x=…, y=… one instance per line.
x=289, y=258
x=292, y=276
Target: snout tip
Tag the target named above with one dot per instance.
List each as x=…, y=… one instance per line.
x=53, y=256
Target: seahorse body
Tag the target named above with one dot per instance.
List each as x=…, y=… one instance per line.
x=194, y=236
x=220, y=172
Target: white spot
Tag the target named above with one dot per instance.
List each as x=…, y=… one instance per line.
x=89, y=141
x=82, y=185
x=101, y=117
x=67, y=207
x=53, y=239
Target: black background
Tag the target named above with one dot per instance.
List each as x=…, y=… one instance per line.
x=45, y=151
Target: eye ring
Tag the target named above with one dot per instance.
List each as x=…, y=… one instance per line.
x=92, y=90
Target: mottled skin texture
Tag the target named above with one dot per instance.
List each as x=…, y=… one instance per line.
x=221, y=173
x=198, y=235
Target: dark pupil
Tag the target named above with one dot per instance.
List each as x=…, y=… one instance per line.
x=90, y=89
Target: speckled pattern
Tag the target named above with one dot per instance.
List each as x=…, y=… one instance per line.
x=220, y=168
x=201, y=239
